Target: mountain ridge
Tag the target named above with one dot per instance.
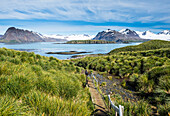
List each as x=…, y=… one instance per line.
x=15, y=35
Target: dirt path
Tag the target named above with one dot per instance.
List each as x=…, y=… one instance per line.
x=115, y=87
x=100, y=108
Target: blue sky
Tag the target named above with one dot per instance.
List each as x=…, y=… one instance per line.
x=84, y=16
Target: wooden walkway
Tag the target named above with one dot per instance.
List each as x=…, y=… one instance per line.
x=100, y=107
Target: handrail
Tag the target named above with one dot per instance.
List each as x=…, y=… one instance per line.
x=95, y=79
x=119, y=110
x=113, y=106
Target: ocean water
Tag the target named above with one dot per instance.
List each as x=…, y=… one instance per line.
x=43, y=47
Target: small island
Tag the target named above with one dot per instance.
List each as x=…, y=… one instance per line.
x=68, y=53
x=90, y=42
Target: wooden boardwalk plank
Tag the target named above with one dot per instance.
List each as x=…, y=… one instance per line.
x=100, y=107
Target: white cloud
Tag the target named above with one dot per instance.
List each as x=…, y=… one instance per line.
x=87, y=10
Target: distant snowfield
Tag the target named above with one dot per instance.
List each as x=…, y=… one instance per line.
x=72, y=37
x=164, y=35
x=150, y=35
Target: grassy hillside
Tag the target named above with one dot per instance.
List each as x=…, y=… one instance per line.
x=149, y=45
x=31, y=84
x=145, y=68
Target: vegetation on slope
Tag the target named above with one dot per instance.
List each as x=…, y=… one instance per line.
x=31, y=84
x=145, y=68
x=149, y=45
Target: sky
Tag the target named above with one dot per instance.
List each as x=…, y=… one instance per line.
x=84, y=16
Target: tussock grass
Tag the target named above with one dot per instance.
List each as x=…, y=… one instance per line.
x=12, y=107
x=31, y=84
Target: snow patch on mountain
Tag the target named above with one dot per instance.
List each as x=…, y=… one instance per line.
x=128, y=32
x=122, y=31
x=108, y=30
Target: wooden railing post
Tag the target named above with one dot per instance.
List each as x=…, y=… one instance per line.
x=115, y=113
x=108, y=105
x=121, y=110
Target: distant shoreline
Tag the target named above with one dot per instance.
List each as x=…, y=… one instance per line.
x=88, y=42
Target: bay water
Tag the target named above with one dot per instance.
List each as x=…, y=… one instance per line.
x=43, y=47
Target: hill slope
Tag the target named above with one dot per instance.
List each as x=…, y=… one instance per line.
x=32, y=85
x=149, y=45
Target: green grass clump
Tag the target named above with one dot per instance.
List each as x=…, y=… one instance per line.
x=43, y=85
x=103, y=84
x=42, y=103
x=109, y=77
x=123, y=83
x=12, y=107
x=163, y=110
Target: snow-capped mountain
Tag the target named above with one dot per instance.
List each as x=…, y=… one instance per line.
x=72, y=37
x=124, y=34
x=164, y=35
x=118, y=36
x=165, y=32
